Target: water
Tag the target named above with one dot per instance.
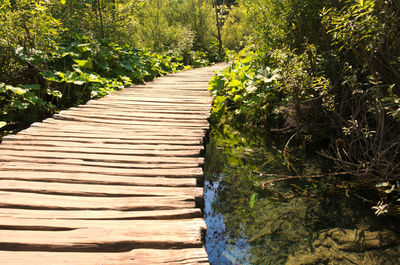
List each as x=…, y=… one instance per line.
x=219, y=250
x=285, y=222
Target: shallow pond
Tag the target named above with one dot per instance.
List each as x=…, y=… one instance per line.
x=253, y=221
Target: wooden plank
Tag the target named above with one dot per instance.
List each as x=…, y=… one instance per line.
x=203, y=101
x=138, y=117
x=152, y=90
x=105, y=157
x=139, y=227
x=146, y=109
x=127, y=104
x=99, y=235
x=110, y=131
x=134, y=257
x=142, y=114
x=90, y=178
x=134, y=125
x=91, y=138
x=150, y=172
x=25, y=200
x=157, y=130
x=109, y=136
x=155, y=91
x=81, y=162
x=97, y=190
x=123, y=146
x=101, y=214
x=132, y=122
x=104, y=151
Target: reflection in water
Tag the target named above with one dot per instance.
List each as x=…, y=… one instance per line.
x=286, y=222
x=219, y=250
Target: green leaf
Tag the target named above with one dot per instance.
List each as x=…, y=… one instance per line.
x=2, y=124
x=235, y=83
x=62, y=2
x=50, y=76
x=253, y=200
x=127, y=65
x=87, y=64
x=19, y=105
x=54, y=93
x=16, y=90
x=237, y=97
x=32, y=87
x=83, y=47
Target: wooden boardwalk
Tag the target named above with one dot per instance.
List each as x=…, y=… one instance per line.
x=114, y=181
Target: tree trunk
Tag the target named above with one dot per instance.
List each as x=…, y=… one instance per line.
x=218, y=28
x=101, y=18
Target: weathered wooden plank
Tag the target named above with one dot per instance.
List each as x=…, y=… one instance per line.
x=155, y=91
x=99, y=234
x=139, y=227
x=132, y=122
x=146, y=109
x=123, y=146
x=101, y=214
x=91, y=178
x=150, y=172
x=91, y=139
x=62, y=154
x=203, y=101
x=97, y=190
x=82, y=162
x=142, y=114
x=157, y=130
x=127, y=104
x=134, y=257
x=110, y=131
x=104, y=151
x=105, y=135
x=63, y=202
x=131, y=117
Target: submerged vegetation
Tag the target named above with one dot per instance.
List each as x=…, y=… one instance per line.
x=292, y=221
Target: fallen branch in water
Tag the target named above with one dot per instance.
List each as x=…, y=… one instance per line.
x=287, y=177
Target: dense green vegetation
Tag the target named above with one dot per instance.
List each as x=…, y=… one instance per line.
x=307, y=131
x=59, y=53
x=322, y=76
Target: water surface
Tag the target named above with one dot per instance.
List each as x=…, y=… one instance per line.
x=285, y=222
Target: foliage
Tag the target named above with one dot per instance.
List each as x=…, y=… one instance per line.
x=76, y=72
x=236, y=29
x=177, y=26
x=324, y=75
x=55, y=54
